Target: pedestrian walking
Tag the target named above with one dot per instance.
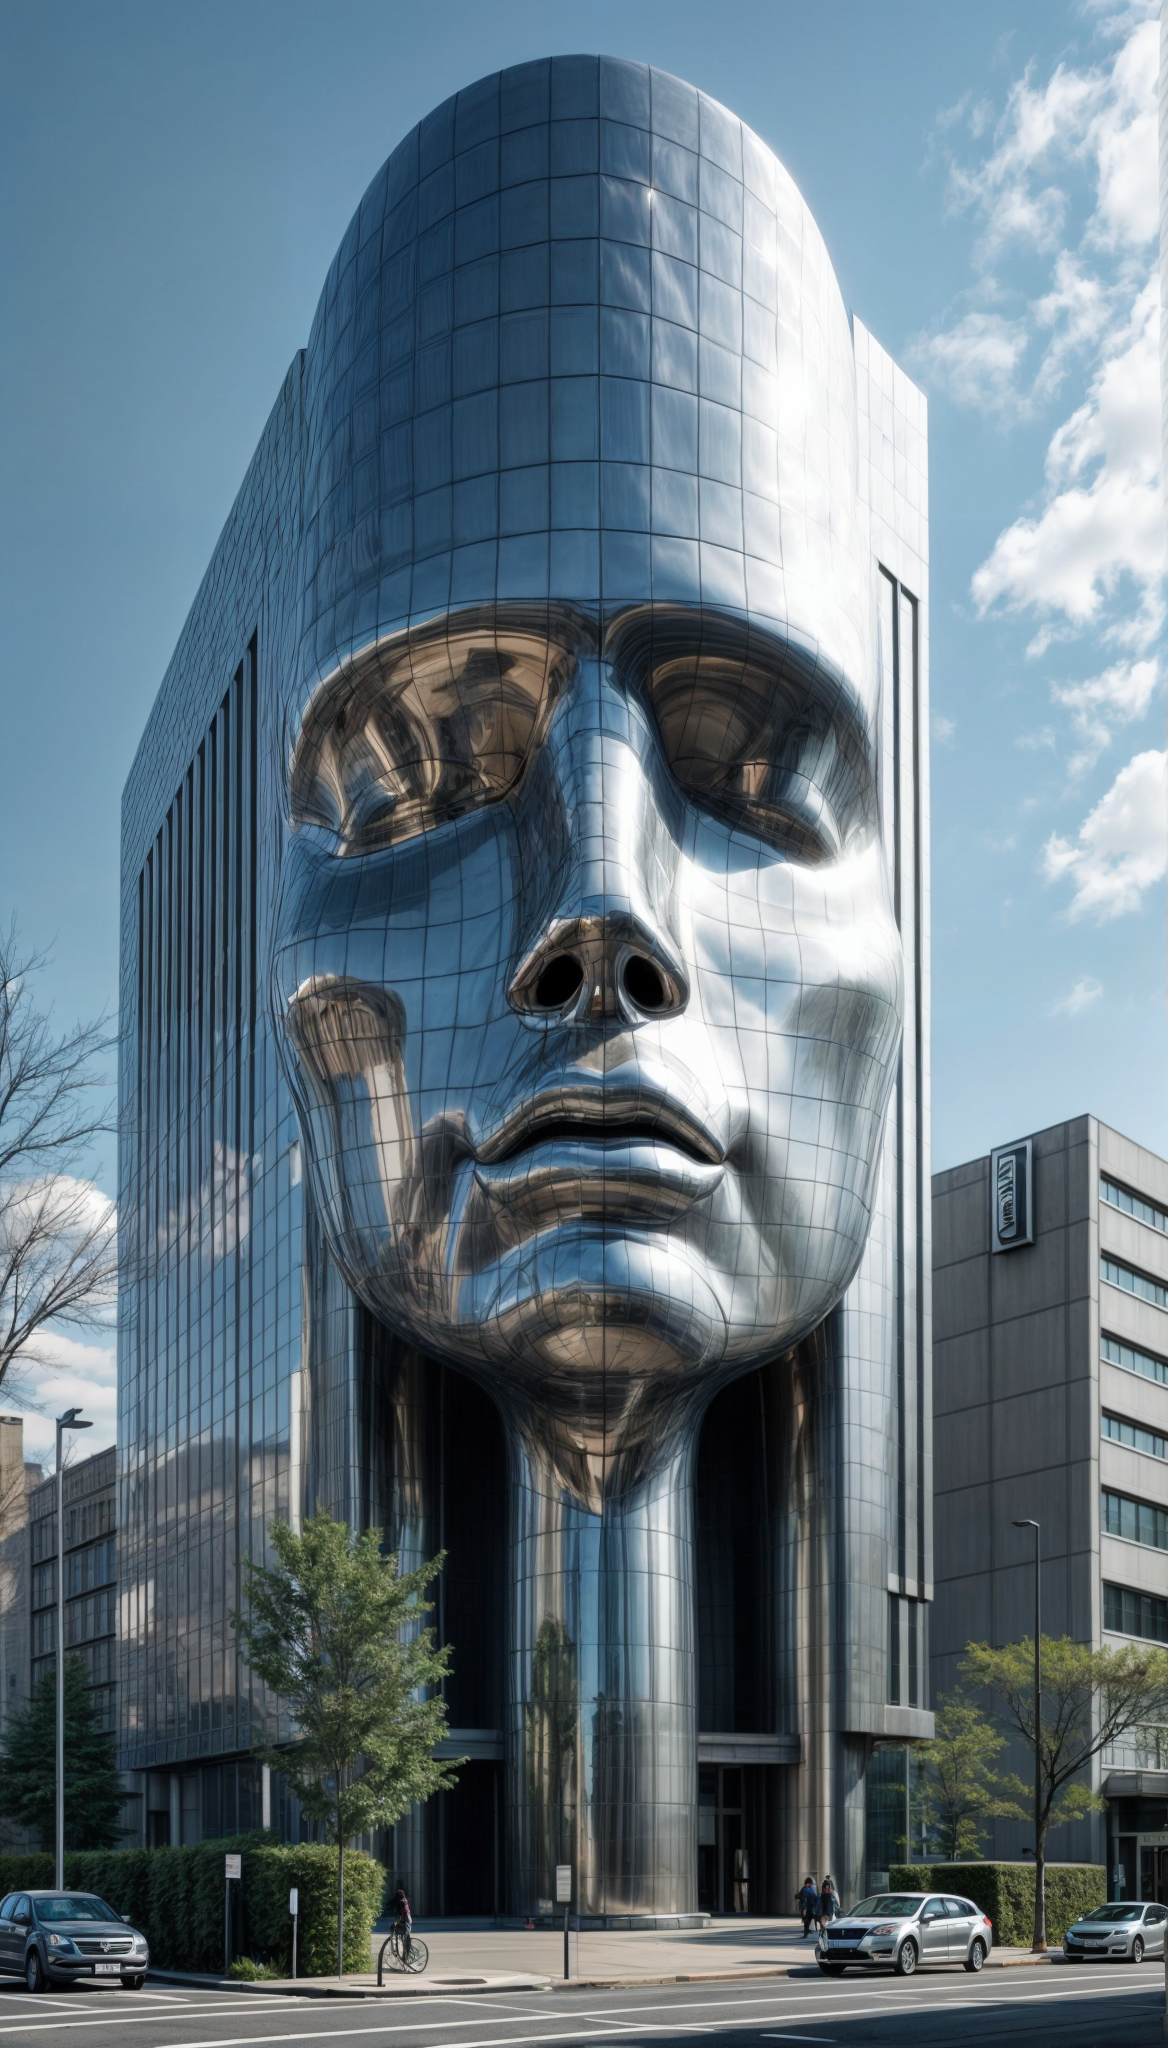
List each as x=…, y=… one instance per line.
x=807, y=1902
x=829, y=1904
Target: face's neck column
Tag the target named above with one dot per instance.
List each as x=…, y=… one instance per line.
x=602, y=1700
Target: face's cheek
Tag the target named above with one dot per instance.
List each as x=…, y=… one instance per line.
x=799, y=979
x=389, y=987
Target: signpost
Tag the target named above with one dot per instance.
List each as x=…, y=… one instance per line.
x=294, y=1909
x=233, y=1871
x=564, y=1899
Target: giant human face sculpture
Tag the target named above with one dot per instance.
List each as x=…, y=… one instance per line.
x=587, y=973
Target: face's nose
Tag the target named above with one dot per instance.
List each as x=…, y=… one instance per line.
x=598, y=828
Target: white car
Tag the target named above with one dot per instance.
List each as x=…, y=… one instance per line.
x=1130, y=1931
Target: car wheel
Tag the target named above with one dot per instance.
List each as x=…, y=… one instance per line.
x=1137, y=1950
x=976, y=1957
x=34, y=1974
x=833, y=1969
x=906, y=1959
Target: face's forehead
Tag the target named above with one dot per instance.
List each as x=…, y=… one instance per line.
x=582, y=343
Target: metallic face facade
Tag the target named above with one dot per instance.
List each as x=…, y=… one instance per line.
x=587, y=973
x=593, y=990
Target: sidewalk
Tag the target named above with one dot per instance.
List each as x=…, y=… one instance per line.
x=486, y=1958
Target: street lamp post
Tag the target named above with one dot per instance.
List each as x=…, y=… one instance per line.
x=1039, y=1871
x=71, y=1419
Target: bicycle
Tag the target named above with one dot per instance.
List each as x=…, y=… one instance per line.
x=408, y=1950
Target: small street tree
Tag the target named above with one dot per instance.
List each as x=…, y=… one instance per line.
x=58, y=1242
x=961, y=1786
x=334, y=1629
x=28, y=1765
x=1089, y=1699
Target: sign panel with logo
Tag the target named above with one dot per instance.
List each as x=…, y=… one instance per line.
x=1012, y=1196
x=234, y=1866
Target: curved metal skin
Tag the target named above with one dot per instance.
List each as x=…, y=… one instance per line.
x=586, y=971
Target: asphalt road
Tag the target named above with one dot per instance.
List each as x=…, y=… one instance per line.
x=1095, y=2007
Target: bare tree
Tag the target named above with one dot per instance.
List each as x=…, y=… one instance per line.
x=58, y=1240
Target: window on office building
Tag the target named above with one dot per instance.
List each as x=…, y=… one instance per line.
x=1138, y=1521
x=1132, y=1204
x=1133, y=1360
x=1119, y=1431
x=1128, y=1613
x=1133, y=1281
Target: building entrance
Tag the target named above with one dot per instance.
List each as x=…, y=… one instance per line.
x=723, y=1852
x=1153, y=1852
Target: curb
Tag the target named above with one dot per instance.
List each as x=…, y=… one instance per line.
x=317, y=1987
x=438, y=1987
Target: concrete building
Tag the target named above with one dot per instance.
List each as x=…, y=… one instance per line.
x=91, y=1600
x=18, y=1476
x=1050, y=1382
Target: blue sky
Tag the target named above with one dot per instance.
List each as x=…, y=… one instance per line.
x=175, y=180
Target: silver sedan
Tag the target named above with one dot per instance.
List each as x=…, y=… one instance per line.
x=1130, y=1931
x=900, y=1930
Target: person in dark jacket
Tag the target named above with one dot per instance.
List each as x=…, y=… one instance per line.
x=829, y=1905
x=807, y=1901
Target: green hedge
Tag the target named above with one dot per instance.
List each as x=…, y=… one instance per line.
x=1006, y=1892
x=176, y=1896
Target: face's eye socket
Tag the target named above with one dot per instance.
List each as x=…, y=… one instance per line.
x=755, y=732
x=418, y=731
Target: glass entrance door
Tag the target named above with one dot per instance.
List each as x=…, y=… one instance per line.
x=723, y=1858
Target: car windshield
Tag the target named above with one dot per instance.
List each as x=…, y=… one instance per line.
x=75, y=1906
x=1116, y=1916
x=887, y=1906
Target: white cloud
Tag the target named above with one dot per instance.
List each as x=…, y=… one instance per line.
x=976, y=359
x=1122, y=847
x=1119, y=696
x=72, y=1375
x=1096, y=530
x=1084, y=992
x=942, y=728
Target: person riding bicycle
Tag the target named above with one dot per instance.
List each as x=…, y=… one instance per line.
x=403, y=1919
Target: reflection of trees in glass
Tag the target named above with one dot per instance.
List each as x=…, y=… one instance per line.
x=551, y=1740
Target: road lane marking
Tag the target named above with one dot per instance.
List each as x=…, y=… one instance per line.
x=586, y=2033
x=594, y=2021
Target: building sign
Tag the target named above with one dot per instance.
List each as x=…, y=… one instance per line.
x=1012, y=1196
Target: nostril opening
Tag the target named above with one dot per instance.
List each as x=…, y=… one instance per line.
x=643, y=983
x=559, y=982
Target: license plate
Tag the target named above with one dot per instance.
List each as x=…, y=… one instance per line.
x=108, y=1969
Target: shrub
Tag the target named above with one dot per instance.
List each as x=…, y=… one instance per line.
x=269, y=1874
x=1006, y=1892
x=176, y=1896
x=248, y=1971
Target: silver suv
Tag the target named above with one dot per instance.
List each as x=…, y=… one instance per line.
x=56, y=1937
x=898, y=1930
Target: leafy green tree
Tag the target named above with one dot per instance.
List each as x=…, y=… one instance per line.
x=334, y=1629
x=1089, y=1699
x=28, y=1767
x=961, y=1787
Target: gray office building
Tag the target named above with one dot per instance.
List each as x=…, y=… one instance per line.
x=1050, y=1292
x=525, y=1018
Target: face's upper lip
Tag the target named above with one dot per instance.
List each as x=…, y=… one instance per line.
x=599, y=1113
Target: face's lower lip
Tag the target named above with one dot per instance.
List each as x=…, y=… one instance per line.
x=588, y=1173
x=600, y=1120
